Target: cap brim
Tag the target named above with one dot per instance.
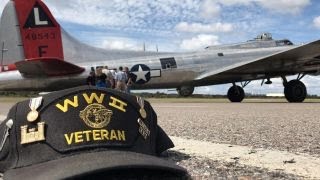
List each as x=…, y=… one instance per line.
x=90, y=163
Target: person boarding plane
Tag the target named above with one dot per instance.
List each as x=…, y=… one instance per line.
x=37, y=54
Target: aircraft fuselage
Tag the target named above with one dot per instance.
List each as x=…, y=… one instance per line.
x=172, y=70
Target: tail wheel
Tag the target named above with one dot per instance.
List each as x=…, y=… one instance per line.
x=295, y=91
x=236, y=94
x=185, y=91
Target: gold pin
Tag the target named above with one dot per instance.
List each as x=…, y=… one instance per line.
x=34, y=104
x=31, y=135
x=142, y=111
x=32, y=115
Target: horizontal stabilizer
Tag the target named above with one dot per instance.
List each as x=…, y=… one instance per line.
x=47, y=67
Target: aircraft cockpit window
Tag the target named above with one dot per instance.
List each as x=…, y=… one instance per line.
x=168, y=63
x=220, y=54
x=287, y=42
x=284, y=43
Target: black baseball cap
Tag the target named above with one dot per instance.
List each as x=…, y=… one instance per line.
x=82, y=131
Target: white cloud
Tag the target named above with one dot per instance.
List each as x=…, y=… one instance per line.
x=135, y=13
x=316, y=22
x=210, y=9
x=93, y=13
x=203, y=28
x=122, y=44
x=199, y=42
x=279, y=6
x=235, y=2
x=284, y=6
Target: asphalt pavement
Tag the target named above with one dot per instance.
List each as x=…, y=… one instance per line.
x=240, y=140
x=261, y=140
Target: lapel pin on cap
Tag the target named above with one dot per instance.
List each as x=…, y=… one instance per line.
x=142, y=111
x=34, y=104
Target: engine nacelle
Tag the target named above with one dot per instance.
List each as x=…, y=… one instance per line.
x=185, y=91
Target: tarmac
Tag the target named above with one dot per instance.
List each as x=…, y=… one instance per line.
x=240, y=140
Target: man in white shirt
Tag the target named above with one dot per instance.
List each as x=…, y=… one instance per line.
x=121, y=79
x=110, y=79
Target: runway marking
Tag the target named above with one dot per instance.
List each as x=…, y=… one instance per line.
x=298, y=164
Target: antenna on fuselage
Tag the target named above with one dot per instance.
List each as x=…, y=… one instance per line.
x=2, y=51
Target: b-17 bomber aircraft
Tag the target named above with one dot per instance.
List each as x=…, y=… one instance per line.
x=37, y=54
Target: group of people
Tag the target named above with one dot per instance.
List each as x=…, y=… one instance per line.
x=111, y=78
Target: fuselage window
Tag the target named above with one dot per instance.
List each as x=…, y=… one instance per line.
x=168, y=63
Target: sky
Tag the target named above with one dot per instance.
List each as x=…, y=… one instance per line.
x=189, y=25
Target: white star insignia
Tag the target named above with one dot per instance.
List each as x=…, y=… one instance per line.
x=141, y=75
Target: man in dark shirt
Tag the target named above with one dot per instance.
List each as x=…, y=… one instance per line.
x=129, y=79
x=91, y=79
x=100, y=78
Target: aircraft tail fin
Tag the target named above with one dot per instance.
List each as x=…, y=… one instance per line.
x=40, y=32
x=31, y=40
x=10, y=38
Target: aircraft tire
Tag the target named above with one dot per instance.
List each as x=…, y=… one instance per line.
x=185, y=91
x=295, y=91
x=236, y=94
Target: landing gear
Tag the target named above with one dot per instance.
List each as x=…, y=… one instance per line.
x=185, y=91
x=295, y=91
x=236, y=93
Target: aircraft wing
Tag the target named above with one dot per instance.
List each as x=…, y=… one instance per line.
x=304, y=58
